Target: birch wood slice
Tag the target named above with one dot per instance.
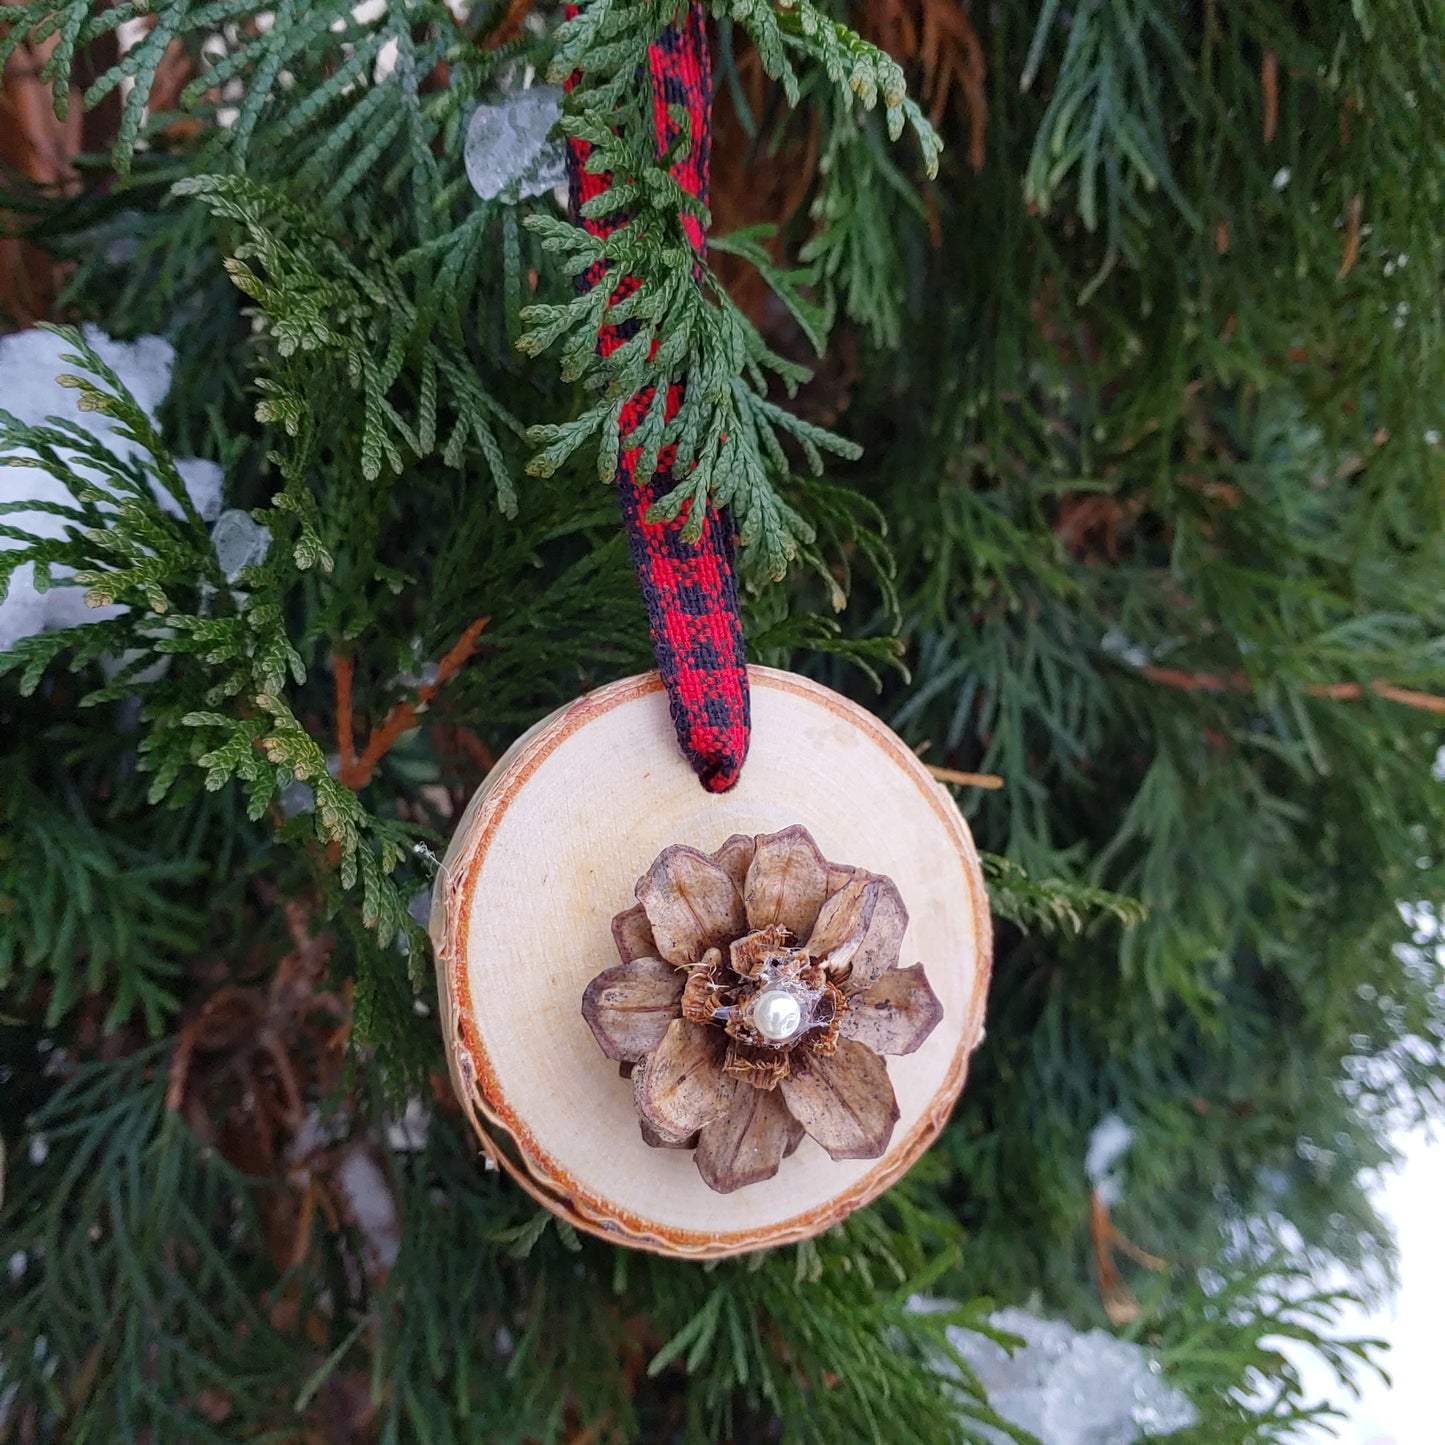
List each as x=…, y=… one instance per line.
x=551, y=848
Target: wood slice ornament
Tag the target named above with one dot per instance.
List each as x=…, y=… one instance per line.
x=807, y=979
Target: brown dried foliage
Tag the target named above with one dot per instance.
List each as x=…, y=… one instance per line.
x=40, y=147
x=1096, y=525
x=248, y=1067
x=752, y=184
x=938, y=39
x=37, y=145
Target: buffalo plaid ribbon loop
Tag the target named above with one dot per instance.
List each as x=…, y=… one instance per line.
x=690, y=589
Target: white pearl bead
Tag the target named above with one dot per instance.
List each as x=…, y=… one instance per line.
x=776, y=1015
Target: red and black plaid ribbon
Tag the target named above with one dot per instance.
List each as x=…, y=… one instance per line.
x=690, y=588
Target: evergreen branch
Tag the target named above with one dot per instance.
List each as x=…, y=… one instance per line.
x=859, y=70
x=777, y=640
x=1053, y=905
x=241, y=50
x=814, y=320
x=855, y=250
x=1105, y=128
x=727, y=437
x=321, y=304
x=124, y=1192
x=124, y=546
x=83, y=911
x=234, y=642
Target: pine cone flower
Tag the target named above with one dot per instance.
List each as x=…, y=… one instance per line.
x=758, y=989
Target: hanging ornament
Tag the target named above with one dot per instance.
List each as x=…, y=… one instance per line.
x=775, y=1036
x=745, y=953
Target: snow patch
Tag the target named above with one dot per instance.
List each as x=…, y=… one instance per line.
x=1068, y=1386
x=372, y=1208
x=29, y=363
x=1108, y=1144
x=408, y=1133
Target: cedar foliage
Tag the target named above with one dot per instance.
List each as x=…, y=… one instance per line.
x=1147, y=522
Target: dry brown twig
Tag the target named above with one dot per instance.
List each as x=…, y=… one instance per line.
x=1119, y=1301
x=1215, y=682
x=990, y=781
x=1269, y=86
x=509, y=27
x=1350, y=251
x=356, y=771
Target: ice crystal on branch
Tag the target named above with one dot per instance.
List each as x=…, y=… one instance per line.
x=508, y=153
